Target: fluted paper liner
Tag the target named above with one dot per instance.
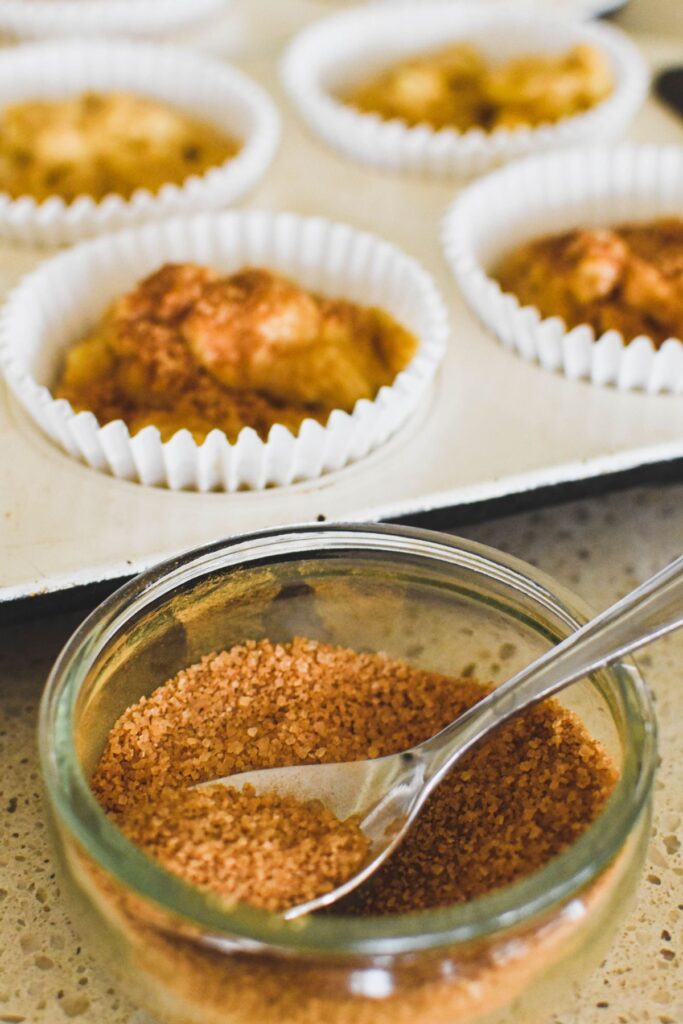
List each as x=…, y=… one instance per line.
x=575, y=8
x=346, y=48
x=196, y=84
x=37, y=18
x=56, y=304
x=594, y=187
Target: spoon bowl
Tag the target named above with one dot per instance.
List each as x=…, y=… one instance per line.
x=382, y=792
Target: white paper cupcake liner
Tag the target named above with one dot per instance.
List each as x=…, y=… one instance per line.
x=32, y=19
x=196, y=84
x=346, y=48
x=56, y=304
x=539, y=196
x=576, y=8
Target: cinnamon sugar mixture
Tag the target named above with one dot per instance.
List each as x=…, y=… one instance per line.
x=191, y=349
x=516, y=801
x=628, y=278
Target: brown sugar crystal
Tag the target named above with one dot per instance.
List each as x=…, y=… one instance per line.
x=517, y=800
x=266, y=850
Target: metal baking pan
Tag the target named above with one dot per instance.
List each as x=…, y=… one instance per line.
x=496, y=434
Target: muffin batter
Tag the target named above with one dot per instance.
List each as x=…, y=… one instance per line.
x=101, y=143
x=189, y=348
x=627, y=278
x=457, y=87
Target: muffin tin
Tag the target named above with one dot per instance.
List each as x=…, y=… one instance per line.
x=492, y=429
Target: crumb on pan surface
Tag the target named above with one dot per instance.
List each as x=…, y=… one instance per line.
x=627, y=278
x=516, y=801
x=189, y=348
x=96, y=144
x=457, y=87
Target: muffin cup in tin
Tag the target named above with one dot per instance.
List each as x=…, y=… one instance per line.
x=36, y=18
x=194, y=84
x=56, y=304
x=577, y=8
x=347, y=48
x=593, y=187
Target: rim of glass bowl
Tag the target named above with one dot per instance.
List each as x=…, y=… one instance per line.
x=245, y=928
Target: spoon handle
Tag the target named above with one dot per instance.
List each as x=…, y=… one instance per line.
x=648, y=612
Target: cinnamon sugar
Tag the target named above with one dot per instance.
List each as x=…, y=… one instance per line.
x=516, y=801
x=191, y=349
x=627, y=278
x=266, y=850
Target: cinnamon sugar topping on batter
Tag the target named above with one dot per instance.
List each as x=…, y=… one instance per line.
x=189, y=348
x=627, y=278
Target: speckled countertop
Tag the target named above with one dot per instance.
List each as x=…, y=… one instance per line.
x=600, y=548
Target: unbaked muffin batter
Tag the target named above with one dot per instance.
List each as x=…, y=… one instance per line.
x=627, y=278
x=457, y=87
x=190, y=348
x=101, y=143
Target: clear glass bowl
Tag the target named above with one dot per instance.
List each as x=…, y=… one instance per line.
x=437, y=602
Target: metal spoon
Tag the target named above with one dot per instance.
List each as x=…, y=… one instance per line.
x=387, y=793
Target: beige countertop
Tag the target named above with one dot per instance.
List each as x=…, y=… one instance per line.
x=600, y=548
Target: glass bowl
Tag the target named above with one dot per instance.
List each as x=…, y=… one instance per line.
x=438, y=602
